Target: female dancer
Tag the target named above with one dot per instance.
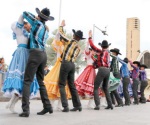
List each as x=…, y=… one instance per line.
x=85, y=82
x=2, y=70
x=13, y=83
x=52, y=78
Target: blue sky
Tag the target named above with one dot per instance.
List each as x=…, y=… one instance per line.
x=79, y=14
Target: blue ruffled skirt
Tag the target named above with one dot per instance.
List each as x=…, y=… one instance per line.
x=120, y=89
x=15, y=74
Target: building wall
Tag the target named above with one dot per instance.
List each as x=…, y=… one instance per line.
x=133, y=38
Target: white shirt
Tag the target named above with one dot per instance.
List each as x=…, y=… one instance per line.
x=21, y=39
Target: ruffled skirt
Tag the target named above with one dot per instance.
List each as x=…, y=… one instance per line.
x=15, y=75
x=51, y=82
x=85, y=82
x=113, y=82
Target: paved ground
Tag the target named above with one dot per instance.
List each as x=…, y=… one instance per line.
x=131, y=115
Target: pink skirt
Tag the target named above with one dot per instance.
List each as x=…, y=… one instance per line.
x=85, y=82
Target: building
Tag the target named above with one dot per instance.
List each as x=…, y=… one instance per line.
x=133, y=38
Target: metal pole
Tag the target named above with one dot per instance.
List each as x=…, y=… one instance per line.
x=93, y=31
x=59, y=13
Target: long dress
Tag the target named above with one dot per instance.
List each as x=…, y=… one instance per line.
x=52, y=78
x=15, y=74
x=85, y=81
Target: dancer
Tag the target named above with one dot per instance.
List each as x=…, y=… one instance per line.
x=13, y=83
x=103, y=72
x=37, y=59
x=114, y=68
x=144, y=82
x=67, y=70
x=2, y=71
x=52, y=78
x=125, y=79
x=85, y=82
x=135, y=77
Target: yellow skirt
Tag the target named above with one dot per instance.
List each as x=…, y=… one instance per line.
x=51, y=82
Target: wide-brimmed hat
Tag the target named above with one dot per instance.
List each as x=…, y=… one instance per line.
x=126, y=60
x=137, y=62
x=116, y=51
x=143, y=65
x=79, y=33
x=104, y=43
x=44, y=13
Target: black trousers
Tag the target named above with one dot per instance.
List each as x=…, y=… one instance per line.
x=126, y=81
x=135, y=89
x=67, y=72
x=36, y=64
x=144, y=84
x=102, y=77
x=117, y=97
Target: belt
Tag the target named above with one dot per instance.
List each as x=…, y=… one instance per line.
x=104, y=67
x=65, y=61
x=23, y=45
x=37, y=49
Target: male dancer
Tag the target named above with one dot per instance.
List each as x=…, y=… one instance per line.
x=67, y=70
x=37, y=60
x=103, y=72
x=135, y=77
x=125, y=79
x=144, y=82
x=114, y=68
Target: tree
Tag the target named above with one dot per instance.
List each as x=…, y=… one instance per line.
x=51, y=54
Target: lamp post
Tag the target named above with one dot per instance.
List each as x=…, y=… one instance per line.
x=59, y=12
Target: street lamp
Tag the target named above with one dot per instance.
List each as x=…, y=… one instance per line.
x=59, y=13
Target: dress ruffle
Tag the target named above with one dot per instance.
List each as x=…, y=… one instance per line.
x=113, y=82
x=15, y=75
x=85, y=82
x=51, y=82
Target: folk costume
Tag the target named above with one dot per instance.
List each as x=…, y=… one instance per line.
x=52, y=78
x=67, y=71
x=85, y=81
x=136, y=82
x=103, y=73
x=13, y=84
x=114, y=68
x=37, y=60
x=143, y=82
x=124, y=71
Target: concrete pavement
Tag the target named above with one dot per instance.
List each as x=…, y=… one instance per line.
x=129, y=115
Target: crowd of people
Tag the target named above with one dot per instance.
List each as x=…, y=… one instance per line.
x=26, y=74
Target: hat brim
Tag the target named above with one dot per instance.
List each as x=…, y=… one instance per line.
x=112, y=50
x=143, y=66
x=138, y=63
x=44, y=16
x=77, y=34
x=104, y=45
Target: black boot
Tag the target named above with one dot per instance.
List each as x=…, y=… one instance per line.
x=109, y=107
x=66, y=109
x=120, y=105
x=97, y=108
x=76, y=109
x=24, y=114
x=44, y=111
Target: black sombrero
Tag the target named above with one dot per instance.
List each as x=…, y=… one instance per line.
x=116, y=51
x=78, y=33
x=143, y=65
x=104, y=43
x=137, y=62
x=44, y=13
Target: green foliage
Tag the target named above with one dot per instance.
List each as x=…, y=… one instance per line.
x=52, y=57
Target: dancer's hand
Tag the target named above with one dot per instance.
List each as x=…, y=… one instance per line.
x=90, y=33
x=63, y=23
